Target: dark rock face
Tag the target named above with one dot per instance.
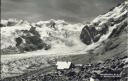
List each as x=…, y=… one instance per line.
x=89, y=34
x=85, y=36
x=32, y=41
x=2, y=25
x=118, y=30
x=34, y=32
x=18, y=41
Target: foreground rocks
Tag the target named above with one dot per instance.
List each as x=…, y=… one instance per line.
x=108, y=70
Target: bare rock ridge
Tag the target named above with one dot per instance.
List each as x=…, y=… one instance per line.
x=115, y=19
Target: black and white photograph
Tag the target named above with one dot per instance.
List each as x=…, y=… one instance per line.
x=64, y=40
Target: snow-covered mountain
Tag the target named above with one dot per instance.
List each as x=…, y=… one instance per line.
x=109, y=33
x=20, y=36
x=107, y=25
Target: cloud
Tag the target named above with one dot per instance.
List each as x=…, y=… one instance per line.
x=70, y=10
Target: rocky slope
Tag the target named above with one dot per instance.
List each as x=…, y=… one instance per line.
x=110, y=31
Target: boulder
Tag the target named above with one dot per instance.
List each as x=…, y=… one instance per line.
x=85, y=36
x=89, y=35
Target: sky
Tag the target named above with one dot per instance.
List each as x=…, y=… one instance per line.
x=74, y=11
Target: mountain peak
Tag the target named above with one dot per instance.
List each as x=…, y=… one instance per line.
x=104, y=25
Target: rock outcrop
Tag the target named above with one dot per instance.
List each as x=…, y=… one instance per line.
x=89, y=34
x=30, y=40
